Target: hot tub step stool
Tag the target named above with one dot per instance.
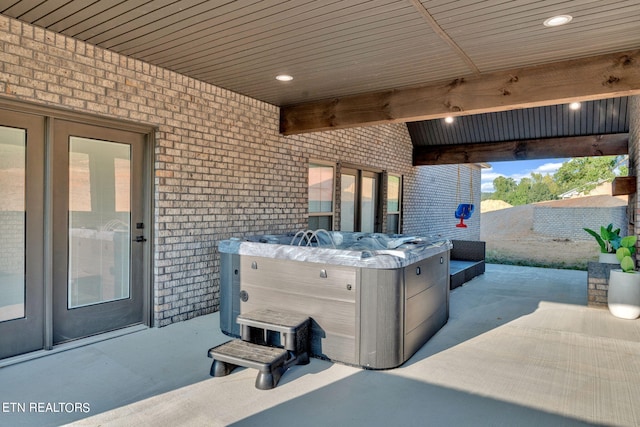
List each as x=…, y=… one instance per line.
x=269, y=361
x=254, y=351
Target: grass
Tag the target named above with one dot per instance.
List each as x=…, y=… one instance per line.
x=497, y=257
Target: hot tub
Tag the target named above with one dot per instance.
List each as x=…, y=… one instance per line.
x=373, y=299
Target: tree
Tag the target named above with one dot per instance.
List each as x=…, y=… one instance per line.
x=521, y=194
x=583, y=174
x=543, y=188
x=538, y=188
x=503, y=187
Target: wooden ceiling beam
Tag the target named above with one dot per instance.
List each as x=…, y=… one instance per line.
x=549, y=148
x=585, y=79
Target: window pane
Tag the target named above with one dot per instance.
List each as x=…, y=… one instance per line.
x=318, y=222
x=99, y=235
x=393, y=221
x=320, y=188
x=12, y=222
x=347, y=203
x=393, y=193
x=368, y=204
x=123, y=184
x=79, y=183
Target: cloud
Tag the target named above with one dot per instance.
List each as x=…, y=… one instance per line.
x=518, y=176
x=487, y=177
x=548, y=168
x=490, y=176
x=487, y=187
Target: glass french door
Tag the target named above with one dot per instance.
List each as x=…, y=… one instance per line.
x=368, y=202
x=98, y=230
x=71, y=231
x=21, y=231
x=359, y=201
x=348, y=200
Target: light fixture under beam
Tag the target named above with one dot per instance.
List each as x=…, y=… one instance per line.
x=284, y=77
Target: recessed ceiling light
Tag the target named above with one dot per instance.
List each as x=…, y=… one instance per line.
x=448, y=119
x=284, y=77
x=557, y=20
x=574, y=105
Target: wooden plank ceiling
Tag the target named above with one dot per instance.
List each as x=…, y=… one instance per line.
x=592, y=128
x=608, y=116
x=344, y=54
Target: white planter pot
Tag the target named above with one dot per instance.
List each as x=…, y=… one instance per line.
x=624, y=294
x=608, y=258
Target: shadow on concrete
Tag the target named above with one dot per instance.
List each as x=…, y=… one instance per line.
x=501, y=295
x=373, y=398
x=107, y=375
x=122, y=371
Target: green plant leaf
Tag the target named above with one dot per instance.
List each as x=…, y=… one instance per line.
x=627, y=264
x=622, y=252
x=615, y=242
x=605, y=232
x=629, y=241
x=603, y=246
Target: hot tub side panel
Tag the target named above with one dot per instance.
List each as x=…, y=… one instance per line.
x=381, y=318
x=229, y=293
x=426, y=301
x=400, y=309
x=326, y=293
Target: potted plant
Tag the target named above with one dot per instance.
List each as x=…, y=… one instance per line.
x=609, y=242
x=624, y=283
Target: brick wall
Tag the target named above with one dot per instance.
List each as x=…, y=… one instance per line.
x=570, y=222
x=221, y=167
x=598, y=283
x=432, y=211
x=598, y=274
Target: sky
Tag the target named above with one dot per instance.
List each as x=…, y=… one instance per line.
x=518, y=170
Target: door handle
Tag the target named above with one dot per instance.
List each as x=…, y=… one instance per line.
x=140, y=239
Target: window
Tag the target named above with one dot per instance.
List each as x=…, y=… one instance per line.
x=394, y=194
x=359, y=200
x=13, y=167
x=348, y=194
x=321, y=178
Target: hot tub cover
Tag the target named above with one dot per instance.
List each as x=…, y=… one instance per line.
x=368, y=250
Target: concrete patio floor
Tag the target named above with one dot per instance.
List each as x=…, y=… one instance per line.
x=520, y=349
